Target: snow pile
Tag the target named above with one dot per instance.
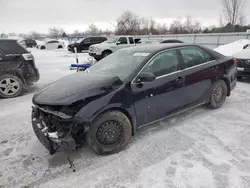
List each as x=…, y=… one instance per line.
x=232, y=48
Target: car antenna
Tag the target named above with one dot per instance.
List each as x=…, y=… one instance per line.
x=72, y=166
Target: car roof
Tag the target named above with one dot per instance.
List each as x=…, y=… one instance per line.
x=154, y=48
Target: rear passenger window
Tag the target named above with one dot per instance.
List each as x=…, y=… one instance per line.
x=194, y=56
x=12, y=47
x=94, y=39
x=164, y=63
x=131, y=40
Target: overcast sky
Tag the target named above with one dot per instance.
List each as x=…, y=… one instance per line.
x=26, y=15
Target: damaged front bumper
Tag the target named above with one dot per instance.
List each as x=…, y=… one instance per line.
x=54, y=138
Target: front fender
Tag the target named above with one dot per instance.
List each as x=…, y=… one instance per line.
x=89, y=112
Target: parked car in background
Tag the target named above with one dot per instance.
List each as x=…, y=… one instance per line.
x=29, y=43
x=171, y=41
x=17, y=68
x=99, y=51
x=149, y=41
x=50, y=45
x=126, y=90
x=86, y=43
x=157, y=41
x=243, y=62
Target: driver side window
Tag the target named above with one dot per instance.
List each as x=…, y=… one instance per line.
x=164, y=63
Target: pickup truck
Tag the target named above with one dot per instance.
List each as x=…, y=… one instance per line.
x=99, y=51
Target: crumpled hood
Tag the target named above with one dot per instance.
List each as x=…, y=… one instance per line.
x=244, y=54
x=76, y=87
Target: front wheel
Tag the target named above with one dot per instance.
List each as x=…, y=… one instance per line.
x=109, y=133
x=97, y=58
x=105, y=54
x=218, y=95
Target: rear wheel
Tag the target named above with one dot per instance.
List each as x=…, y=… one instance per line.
x=109, y=133
x=10, y=86
x=218, y=95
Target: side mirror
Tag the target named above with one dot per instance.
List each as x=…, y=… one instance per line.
x=146, y=77
x=118, y=43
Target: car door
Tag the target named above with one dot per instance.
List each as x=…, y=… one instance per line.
x=200, y=69
x=159, y=98
x=95, y=40
x=85, y=44
x=122, y=42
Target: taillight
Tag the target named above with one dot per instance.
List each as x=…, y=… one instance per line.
x=235, y=61
x=28, y=57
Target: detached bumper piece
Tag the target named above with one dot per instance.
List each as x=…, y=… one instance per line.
x=52, y=138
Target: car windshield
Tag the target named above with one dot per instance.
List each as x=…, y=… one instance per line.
x=111, y=40
x=122, y=63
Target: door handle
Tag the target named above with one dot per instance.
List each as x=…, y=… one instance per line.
x=180, y=79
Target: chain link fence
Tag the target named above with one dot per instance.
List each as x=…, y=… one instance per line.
x=210, y=40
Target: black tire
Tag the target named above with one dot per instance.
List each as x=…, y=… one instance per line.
x=42, y=47
x=13, y=88
x=101, y=130
x=59, y=47
x=106, y=53
x=218, y=95
x=97, y=58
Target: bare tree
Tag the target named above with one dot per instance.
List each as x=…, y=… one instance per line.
x=176, y=27
x=93, y=30
x=128, y=23
x=144, y=26
x=55, y=32
x=162, y=29
x=233, y=11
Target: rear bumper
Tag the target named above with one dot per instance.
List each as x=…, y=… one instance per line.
x=31, y=75
x=52, y=141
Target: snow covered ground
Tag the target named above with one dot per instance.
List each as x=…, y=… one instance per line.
x=199, y=148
